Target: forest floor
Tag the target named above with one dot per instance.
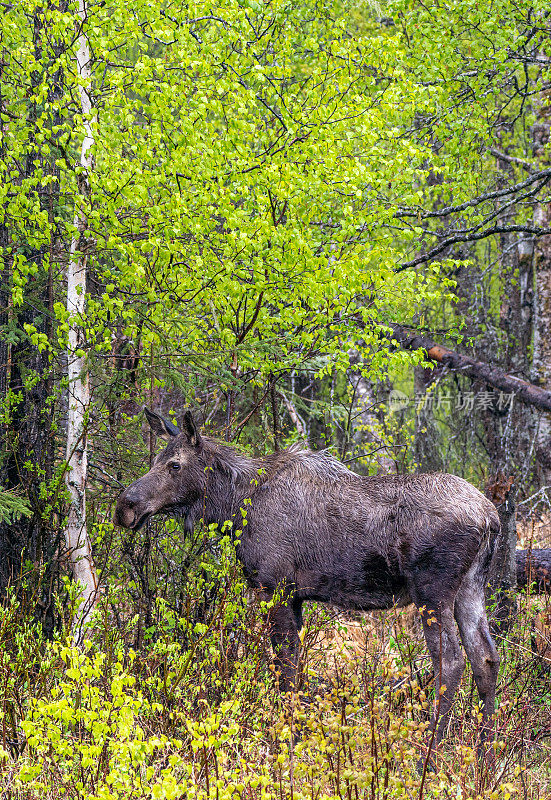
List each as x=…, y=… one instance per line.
x=186, y=706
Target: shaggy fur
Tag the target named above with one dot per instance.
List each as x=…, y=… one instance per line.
x=318, y=531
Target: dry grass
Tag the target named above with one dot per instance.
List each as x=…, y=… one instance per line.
x=523, y=722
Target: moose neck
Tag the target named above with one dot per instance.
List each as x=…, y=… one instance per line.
x=232, y=478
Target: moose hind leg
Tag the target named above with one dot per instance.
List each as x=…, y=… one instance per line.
x=284, y=622
x=470, y=614
x=447, y=660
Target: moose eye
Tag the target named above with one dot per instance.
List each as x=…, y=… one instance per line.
x=174, y=466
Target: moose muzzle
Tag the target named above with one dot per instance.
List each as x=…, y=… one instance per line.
x=130, y=511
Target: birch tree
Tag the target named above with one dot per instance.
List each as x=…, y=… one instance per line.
x=77, y=541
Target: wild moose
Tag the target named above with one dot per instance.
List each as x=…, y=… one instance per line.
x=317, y=531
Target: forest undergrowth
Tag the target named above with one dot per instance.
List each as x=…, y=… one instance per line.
x=179, y=700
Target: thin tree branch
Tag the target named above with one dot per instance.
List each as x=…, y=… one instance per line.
x=472, y=237
x=543, y=175
x=511, y=159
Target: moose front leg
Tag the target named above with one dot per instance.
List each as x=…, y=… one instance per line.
x=285, y=622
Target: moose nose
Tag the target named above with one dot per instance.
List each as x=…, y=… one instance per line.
x=124, y=512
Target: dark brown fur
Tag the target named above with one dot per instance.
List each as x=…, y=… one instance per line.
x=320, y=532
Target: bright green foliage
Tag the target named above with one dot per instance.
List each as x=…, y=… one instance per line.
x=253, y=165
x=248, y=170
x=112, y=724
x=12, y=507
x=263, y=171
x=243, y=156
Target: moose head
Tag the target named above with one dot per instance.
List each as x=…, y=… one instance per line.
x=176, y=482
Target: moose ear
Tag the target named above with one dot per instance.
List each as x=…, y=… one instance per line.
x=161, y=426
x=190, y=429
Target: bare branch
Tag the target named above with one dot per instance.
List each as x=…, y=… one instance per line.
x=512, y=159
x=472, y=237
x=544, y=175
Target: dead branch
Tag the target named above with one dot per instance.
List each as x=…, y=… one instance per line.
x=526, y=392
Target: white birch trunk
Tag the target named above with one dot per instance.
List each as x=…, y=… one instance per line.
x=76, y=536
x=296, y=419
x=368, y=432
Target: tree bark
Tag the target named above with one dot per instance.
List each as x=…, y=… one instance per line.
x=534, y=570
x=541, y=370
x=503, y=571
x=368, y=433
x=509, y=435
x=77, y=541
x=427, y=455
x=368, y=436
x=295, y=417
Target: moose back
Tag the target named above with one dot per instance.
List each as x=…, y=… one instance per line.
x=317, y=531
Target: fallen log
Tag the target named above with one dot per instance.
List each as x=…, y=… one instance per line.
x=526, y=392
x=534, y=570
